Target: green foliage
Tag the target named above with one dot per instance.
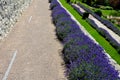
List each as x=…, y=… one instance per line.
x=102, y=2
x=106, y=7
x=68, y=1
x=116, y=13
x=107, y=2
x=98, y=12
x=85, y=15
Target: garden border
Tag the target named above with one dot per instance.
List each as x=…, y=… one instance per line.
x=79, y=23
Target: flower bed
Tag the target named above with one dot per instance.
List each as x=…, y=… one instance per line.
x=84, y=59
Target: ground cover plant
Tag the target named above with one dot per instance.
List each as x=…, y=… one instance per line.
x=84, y=59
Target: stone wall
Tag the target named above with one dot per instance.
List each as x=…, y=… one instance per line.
x=10, y=10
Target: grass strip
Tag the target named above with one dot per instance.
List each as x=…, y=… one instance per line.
x=101, y=40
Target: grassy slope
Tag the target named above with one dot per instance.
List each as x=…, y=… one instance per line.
x=107, y=12
x=105, y=44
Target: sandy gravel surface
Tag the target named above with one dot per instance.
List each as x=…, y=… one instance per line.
x=38, y=50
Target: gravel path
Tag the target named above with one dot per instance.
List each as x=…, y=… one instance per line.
x=112, y=62
x=38, y=50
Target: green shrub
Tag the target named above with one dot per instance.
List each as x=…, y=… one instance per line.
x=106, y=7
x=116, y=13
x=118, y=50
x=85, y=15
x=68, y=1
x=96, y=6
x=98, y=12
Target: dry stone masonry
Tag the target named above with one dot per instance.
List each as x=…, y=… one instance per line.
x=10, y=10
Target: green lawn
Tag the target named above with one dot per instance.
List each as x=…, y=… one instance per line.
x=107, y=12
x=101, y=40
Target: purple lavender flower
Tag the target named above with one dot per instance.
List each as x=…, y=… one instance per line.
x=84, y=59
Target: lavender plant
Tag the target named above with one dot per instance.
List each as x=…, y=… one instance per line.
x=53, y=4
x=84, y=59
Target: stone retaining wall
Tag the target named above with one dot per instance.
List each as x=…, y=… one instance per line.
x=10, y=10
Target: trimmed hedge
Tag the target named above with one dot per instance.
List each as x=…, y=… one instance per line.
x=85, y=15
x=84, y=59
x=98, y=12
